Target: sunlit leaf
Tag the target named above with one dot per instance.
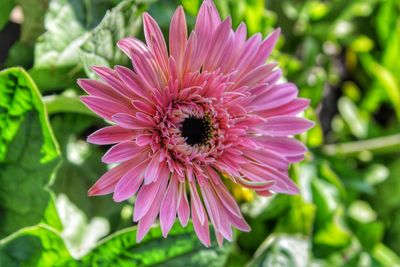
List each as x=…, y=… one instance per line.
x=181, y=248
x=34, y=246
x=28, y=152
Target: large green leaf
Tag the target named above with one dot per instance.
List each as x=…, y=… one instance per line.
x=29, y=153
x=35, y=246
x=180, y=249
x=100, y=46
x=69, y=25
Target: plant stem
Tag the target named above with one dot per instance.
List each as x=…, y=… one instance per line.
x=386, y=144
x=64, y=104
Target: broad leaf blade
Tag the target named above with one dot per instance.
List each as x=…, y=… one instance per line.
x=181, y=248
x=35, y=246
x=100, y=47
x=29, y=153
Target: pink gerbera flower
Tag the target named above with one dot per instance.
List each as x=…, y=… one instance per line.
x=186, y=121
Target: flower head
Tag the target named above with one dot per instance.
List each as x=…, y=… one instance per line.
x=189, y=117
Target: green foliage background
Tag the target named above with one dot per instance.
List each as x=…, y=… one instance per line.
x=343, y=55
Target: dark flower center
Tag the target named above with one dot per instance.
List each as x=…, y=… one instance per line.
x=196, y=131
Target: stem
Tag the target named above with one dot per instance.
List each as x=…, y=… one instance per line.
x=385, y=144
x=64, y=104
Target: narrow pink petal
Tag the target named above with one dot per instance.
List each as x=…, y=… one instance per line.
x=294, y=159
x=144, y=106
x=285, y=125
x=155, y=40
x=266, y=47
x=183, y=208
x=219, y=43
x=143, y=139
x=255, y=76
x=131, y=80
x=129, y=122
x=267, y=157
x=103, y=107
x=207, y=21
x=129, y=44
x=106, y=183
x=178, y=36
x=129, y=183
x=100, y=89
x=277, y=96
x=292, y=108
x=152, y=170
x=149, y=217
x=190, y=57
x=122, y=152
x=283, y=145
x=110, y=135
x=169, y=206
x=196, y=202
x=148, y=193
x=227, y=199
x=111, y=77
x=239, y=223
x=200, y=226
x=282, y=183
x=216, y=211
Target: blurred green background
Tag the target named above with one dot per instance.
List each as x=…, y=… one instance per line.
x=343, y=55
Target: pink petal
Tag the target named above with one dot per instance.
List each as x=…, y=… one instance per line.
x=110, y=135
x=219, y=43
x=155, y=40
x=102, y=90
x=129, y=122
x=147, y=194
x=201, y=228
x=227, y=199
x=106, y=183
x=131, y=80
x=122, y=152
x=130, y=182
x=111, y=77
x=292, y=108
x=277, y=96
x=283, y=145
x=149, y=217
x=196, y=202
x=152, y=170
x=266, y=47
x=285, y=125
x=178, y=36
x=267, y=157
x=169, y=206
x=183, y=208
x=103, y=107
x=216, y=211
x=207, y=20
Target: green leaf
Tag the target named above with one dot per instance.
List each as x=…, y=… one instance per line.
x=283, y=250
x=100, y=47
x=58, y=46
x=34, y=246
x=29, y=153
x=386, y=79
x=180, y=248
